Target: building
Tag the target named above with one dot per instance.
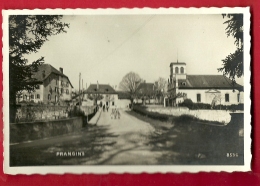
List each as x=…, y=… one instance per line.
x=211, y=89
x=146, y=92
x=124, y=99
x=101, y=94
x=53, y=87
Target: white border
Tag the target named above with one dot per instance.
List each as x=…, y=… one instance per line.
x=129, y=169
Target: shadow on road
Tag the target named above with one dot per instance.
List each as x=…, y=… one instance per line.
x=87, y=145
x=187, y=142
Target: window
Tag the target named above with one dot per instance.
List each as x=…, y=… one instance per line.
x=198, y=98
x=38, y=96
x=56, y=81
x=56, y=89
x=32, y=96
x=182, y=70
x=226, y=97
x=61, y=90
x=25, y=97
x=176, y=70
x=37, y=87
x=67, y=91
x=56, y=98
x=113, y=103
x=49, y=97
x=238, y=97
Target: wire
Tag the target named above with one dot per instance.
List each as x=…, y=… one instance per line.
x=121, y=44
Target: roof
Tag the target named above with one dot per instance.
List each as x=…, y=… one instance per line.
x=177, y=63
x=123, y=95
x=100, y=89
x=48, y=71
x=208, y=82
x=146, y=87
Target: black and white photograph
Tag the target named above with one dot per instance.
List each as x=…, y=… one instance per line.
x=126, y=90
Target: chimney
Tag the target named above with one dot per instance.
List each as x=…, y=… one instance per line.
x=61, y=70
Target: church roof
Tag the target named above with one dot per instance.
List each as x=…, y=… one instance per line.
x=208, y=82
x=100, y=89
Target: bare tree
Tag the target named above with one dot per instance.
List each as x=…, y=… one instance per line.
x=130, y=84
x=161, y=88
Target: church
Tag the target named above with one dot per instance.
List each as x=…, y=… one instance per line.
x=210, y=89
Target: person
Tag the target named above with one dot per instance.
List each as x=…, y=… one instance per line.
x=112, y=113
x=118, y=114
x=107, y=108
x=103, y=108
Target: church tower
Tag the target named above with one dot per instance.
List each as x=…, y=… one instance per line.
x=177, y=71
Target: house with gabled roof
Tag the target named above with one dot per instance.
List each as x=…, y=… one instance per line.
x=53, y=86
x=146, y=92
x=211, y=89
x=103, y=93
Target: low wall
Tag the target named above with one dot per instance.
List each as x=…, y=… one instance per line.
x=29, y=113
x=88, y=109
x=209, y=115
x=28, y=131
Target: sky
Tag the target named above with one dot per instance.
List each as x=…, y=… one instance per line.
x=104, y=48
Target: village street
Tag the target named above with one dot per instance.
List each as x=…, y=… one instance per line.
x=110, y=142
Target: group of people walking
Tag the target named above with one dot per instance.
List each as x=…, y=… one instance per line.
x=115, y=114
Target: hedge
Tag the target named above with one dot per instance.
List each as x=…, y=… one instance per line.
x=154, y=115
x=192, y=106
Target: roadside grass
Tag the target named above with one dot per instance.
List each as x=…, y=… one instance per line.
x=187, y=140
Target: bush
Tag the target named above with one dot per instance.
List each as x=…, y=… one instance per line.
x=187, y=103
x=75, y=112
x=192, y=106
x=230, y=107
x=201, y=106
x=154, y=115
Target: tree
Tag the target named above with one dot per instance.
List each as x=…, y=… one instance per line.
x=161, y=88
x=27, y=33
x=130, y=83
x=233, y=63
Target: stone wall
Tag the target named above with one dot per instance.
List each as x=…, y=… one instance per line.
x=28, y=131
x=30, y=113
x=209, y=115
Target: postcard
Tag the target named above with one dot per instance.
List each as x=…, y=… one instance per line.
x=103, y=91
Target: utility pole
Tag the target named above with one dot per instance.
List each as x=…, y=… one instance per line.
x=82, y=90
x=79, y=88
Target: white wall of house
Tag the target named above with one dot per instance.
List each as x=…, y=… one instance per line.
x=66, y=86
x=36, y=96
x=123, y=103
x=235, y=97
x=111, y=99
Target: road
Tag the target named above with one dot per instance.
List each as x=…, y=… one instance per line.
x=123, y=141
x=131, y=140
